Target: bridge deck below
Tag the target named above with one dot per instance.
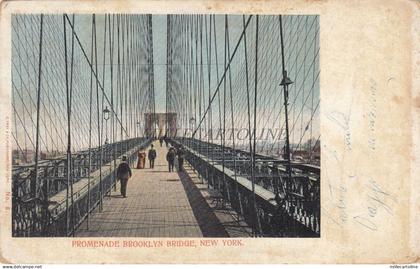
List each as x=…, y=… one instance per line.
x=162, y=204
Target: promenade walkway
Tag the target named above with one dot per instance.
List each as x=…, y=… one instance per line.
x=163, y=204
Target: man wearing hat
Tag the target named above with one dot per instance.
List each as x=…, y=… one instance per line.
x=123, y=174
x=152, y=156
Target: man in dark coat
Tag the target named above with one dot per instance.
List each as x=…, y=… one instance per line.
x=170, y=157
x=123, y=174
x=180, y=154
x=152, y=156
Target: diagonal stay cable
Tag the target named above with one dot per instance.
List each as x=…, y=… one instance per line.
x=94, y=73
x=224, y=74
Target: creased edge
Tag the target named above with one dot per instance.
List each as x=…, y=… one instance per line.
x=414, y=223
x=3, y=6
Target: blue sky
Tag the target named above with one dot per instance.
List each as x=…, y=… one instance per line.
x=301, y=42
x=159, y=49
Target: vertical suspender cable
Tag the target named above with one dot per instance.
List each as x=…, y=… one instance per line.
x=196, y=77
x=124, y=89
x=233, y=121
x=210, y=127
x=152, y=63
x=102, y=102
x=249, y=115
x=111, y=59
x=286, y=94
x=119, y=96
x=218, y=97
x=224, y=74
x=255, y=128
x=68, y=164
x=70, y=101
x=34, y=183
x=201, y=93
x=168, y=81
x=99, y=164
x=167, y=73
x=90, y=128
x=208, y=51
x=129, y=71
x=224, y=116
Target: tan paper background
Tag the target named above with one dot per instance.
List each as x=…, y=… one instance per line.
x=369, y=58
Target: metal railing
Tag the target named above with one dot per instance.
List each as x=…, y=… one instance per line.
x=58, y=209
x=285, y=207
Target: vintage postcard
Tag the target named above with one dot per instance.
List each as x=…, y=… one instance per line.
x=210, y=132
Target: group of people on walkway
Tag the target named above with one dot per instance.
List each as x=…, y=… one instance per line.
x=124, y=171
x=170, y=157
x=172, y=154
x=162, y=139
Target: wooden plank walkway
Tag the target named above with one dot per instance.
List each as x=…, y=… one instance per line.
x=80, y=188
x=161, y=204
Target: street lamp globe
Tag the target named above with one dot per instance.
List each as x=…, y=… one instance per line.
x=106, y=113
x=192, y=120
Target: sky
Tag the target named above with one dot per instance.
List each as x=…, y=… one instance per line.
x=159, y=58
x=298, y=34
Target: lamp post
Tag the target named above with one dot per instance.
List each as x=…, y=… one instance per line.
x=285, y=82
x=106, y=118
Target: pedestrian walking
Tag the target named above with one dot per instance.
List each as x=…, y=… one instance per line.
x=161, y=141
x=123, y=174
x=165, y=138
x=152, y=156
x=141, y=160
x=180, y=155
x=170, y=157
